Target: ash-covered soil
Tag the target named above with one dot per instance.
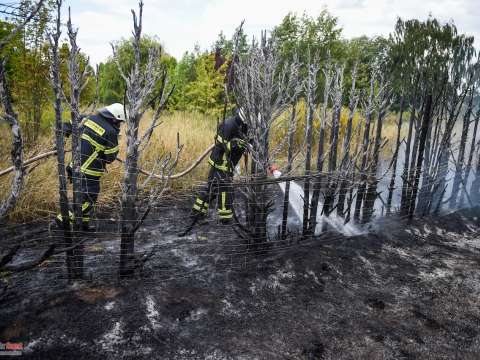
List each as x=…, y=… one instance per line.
x=403, y=291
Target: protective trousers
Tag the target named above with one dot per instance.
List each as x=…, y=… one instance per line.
x=90, y=188
x=219, y=184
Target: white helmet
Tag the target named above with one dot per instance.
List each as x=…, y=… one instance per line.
x=115, y=111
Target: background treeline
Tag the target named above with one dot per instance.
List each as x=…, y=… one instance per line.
x=199, y=76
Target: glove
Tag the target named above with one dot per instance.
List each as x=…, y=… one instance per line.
x=69, y=173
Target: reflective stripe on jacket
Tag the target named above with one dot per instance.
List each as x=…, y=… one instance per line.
x=229, y=146
x=99, y=144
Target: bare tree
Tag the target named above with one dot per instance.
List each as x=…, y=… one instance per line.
x=408, y=145
x=459, y=168
x=332, y=180
x=318, y=181
x=384, y=96
x=413, y=156
x=11, y=118
x=310, y=94
x=369, y=109
x=263, y=89
x=461, y=78
x=140, y=86
x=473, y=147
x=391, y=186
x=427, y=115
x=291, y=137
x=77, y=80
x=346, y=158
x=54, y=38
x=475, y=188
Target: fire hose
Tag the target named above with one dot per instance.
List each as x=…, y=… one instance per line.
x=174, y=176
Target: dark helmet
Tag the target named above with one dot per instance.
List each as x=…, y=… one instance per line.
x=240, y=114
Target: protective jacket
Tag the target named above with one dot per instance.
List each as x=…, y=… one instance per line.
x=230, y=144
x=99, y=144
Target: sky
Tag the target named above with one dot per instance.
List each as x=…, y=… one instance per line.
x=181, y=24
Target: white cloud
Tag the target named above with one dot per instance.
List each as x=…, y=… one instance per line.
x=181, y=24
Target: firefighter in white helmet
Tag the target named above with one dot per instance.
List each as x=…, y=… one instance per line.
x=99, y=147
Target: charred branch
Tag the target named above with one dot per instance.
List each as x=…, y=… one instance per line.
x=17, y=144
x=140, y=94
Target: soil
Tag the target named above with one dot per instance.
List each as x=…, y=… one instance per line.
x=401, y=291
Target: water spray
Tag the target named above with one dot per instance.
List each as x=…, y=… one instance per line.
x=296, y=202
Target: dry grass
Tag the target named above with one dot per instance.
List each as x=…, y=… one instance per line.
x=40, y=199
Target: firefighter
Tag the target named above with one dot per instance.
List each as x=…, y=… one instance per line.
x=99, y=147
x=230, y=144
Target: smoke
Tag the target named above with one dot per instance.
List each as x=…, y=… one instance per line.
x=384, y=175
x=334, y=221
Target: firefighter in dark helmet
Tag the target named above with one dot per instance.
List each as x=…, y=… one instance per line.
x=99, y=147
x=230, y=145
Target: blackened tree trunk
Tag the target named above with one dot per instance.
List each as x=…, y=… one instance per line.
x=342, y=193
x=475, y=188
x=259, y=201
x=332, y=180
x=286, y=197
x=60, y=139
x=146, y=87
x=414, y=157
x=468, y=168
x=423, y=204
x=421, y=148
x=440, y=182
x=364, y=152
x=76, y=78
x=459, y=164
x=317, y=184
x=129, y=197
x=391, y=186
x=371, y=193
x=461, y=75
x=135, y=95
x=17, y=144
x=406, y=163
x=311, y=87
x=12, y=118
x=310, y=94
x=264, y=89
x=442, y=163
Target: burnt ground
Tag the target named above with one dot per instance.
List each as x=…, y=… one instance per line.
x=403, y=291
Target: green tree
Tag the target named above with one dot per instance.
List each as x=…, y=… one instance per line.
x=318, y=35
x=205, y=93
x=183, y=74
x=363, y=52
x=226, y=45
x=29, y=66
x=307, y=36
x=28, y=69
x=111, y=85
